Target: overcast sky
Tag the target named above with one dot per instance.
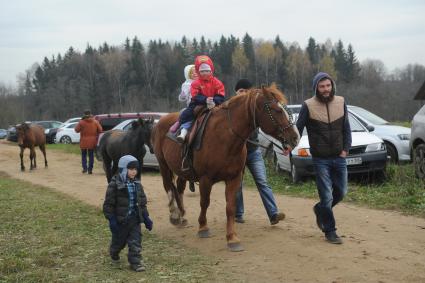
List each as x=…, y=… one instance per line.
x=391, y=31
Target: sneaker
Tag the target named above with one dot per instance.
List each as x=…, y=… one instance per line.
x=333, y=238
x=276, y=218
x=84, y=171
x=138, y=267
x=115, y=261
x=318, y=222
x=90, y=172
x=239, y=219
x=180, y=138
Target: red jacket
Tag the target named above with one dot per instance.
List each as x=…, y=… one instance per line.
x=89, y=129
x=206, y=86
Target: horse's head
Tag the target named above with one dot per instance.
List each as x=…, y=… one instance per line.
x=145, y=128
x=21, y=131
x=273, y=117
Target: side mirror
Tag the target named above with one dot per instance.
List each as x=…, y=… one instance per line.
x=370, y=128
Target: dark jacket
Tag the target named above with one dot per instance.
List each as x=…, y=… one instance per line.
x=117, y=200
x=327, y=123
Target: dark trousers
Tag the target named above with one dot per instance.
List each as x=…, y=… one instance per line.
x=331, y=181
x=84, y=159
x=128, y=233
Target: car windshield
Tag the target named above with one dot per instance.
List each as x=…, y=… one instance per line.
x=369, y=116
x=355, y=125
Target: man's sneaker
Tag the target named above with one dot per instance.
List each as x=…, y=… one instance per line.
x=318, y=222
x=90, y=172
x=239, y=219
x=138, y=267
x=333, y=238
x=180, y=138
x=276, y=218
x=84, y=171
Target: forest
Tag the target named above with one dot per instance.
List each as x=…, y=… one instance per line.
x=136, y=77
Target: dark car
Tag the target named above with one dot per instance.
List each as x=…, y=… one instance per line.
x=50, y=129
x=3, y=133
x=11, y=134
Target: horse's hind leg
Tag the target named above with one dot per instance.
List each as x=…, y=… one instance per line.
x=176, y=215
x=32, y=158
x=181, y=186
x=21, y=155
x=43, y=150
x=205, y=191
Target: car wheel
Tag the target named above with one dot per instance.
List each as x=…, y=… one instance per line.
x=296, y=177
x=65, y=140
x=392, y=152
x=419, y=161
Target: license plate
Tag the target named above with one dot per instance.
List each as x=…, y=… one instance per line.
x=354, y=161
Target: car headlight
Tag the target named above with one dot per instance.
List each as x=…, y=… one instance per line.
x=46, y=131
x=404, y=137
x=375, y=147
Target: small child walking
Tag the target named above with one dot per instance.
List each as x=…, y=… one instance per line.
x=125, y=208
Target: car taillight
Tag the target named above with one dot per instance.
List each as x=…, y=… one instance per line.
x=303, y=152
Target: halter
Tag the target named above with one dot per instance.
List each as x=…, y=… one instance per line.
x=281, y=129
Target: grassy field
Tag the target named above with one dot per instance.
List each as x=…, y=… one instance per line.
x=401, y=191
x=46, y=236
x=68, y=148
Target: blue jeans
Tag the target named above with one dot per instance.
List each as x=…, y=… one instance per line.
x=84, y=159
x=331, y=181
x=255, y=164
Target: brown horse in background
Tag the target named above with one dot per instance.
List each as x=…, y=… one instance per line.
x=30, y=136
x=223, y=153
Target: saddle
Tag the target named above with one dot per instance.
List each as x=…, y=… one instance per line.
x=194, y=138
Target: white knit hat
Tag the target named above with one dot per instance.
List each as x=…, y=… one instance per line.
x=204, y=67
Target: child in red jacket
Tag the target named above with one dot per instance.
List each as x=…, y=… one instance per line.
x=206, y=90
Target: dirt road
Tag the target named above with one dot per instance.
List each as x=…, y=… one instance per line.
x=379, y=246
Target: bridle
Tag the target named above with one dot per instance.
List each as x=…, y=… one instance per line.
x=281, y=129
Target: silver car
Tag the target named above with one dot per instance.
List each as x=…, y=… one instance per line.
x=396, y=138
x=417, y=142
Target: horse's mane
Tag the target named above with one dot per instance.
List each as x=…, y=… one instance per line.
x=272, y=90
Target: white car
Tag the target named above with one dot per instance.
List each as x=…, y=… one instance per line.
x=396, y=138
x=150, y=159
x=72, y=120
x=66, y=134
x=367, y=154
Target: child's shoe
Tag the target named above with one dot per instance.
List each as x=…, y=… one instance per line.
x=138, y=267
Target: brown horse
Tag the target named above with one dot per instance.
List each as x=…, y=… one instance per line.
x=223, y=153
x=30, y=136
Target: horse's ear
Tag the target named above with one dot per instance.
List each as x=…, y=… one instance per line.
x=134, y=124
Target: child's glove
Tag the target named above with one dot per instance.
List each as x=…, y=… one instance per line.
x=113, y=225
x=148, y=222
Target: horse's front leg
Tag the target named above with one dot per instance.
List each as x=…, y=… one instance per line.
x=205, y=191
x=233, y=242
x=21, y=155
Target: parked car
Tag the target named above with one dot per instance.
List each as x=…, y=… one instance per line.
x=3, y=133
x=72, y=120
x=149, y=160
x=417, y=142
x=108, y=121
x=11, y=134
x=50, y=129
x=66, y=134
x=367, y=154
x=396, y=138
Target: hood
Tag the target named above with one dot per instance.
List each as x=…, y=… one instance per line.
x=122, y=166
x=201, y=60
x=319, y=76
x=188, y=71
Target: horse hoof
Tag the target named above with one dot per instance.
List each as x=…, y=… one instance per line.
x=204, y=234
x=235, y=247
x=175, y=221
